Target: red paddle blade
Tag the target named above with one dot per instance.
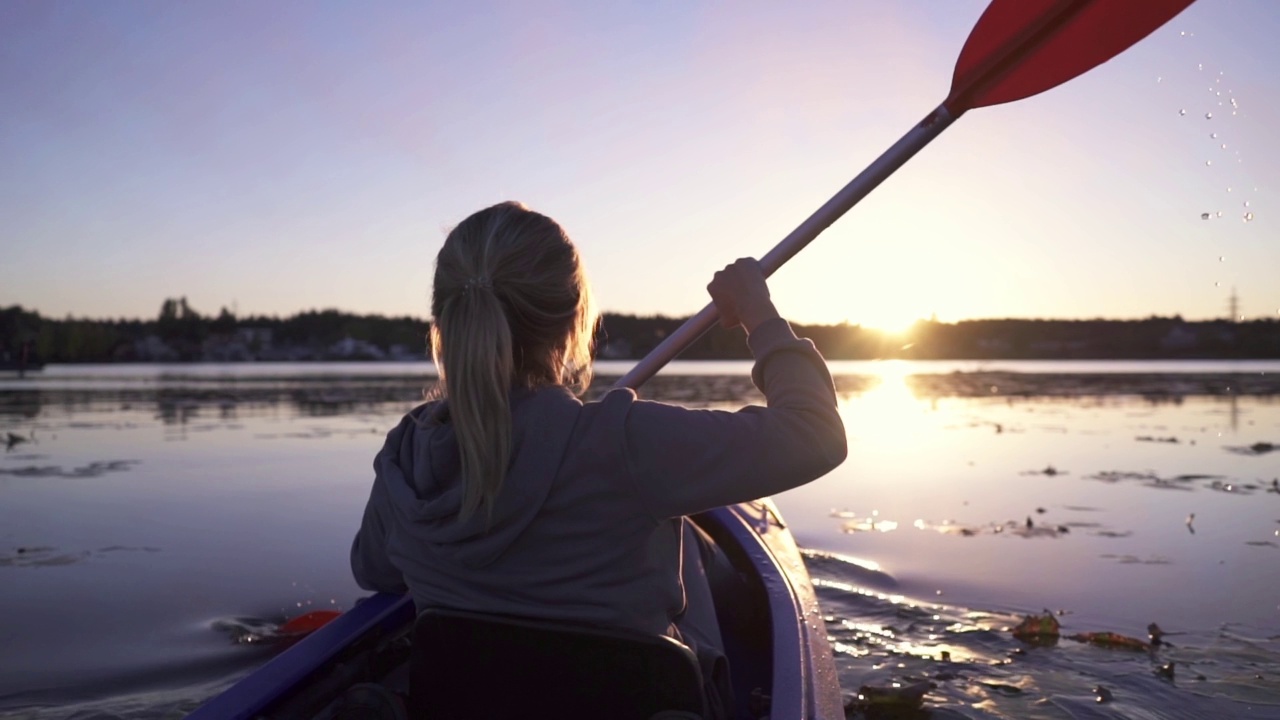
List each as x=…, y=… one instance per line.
x=307, y=623
x=1023, y=47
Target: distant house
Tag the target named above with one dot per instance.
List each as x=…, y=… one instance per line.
x=224, y=348
x=349, y=348
x=403, y=353
x=994, y=345
x=1059, y=347
x=257, y=339
x=1179, y=337
x=152, y=349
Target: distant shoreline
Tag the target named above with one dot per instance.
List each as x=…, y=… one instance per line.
x=180, y=334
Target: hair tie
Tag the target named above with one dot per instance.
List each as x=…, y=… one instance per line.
x=479, y=281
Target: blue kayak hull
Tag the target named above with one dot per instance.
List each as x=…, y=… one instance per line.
x=786, y=658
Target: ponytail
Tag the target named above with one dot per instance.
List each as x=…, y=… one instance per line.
x=511, y=308
x=474, y=354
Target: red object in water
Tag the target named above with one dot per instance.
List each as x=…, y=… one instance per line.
x=307, y=623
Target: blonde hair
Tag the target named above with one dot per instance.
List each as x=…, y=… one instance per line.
x=511, y=308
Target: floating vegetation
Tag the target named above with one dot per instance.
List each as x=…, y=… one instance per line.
x=1258, y=448
x=1038, y=628
x=1234, y=488
x=1135, y=560
x=894, y=698
x=93, y=469
x=1153, y=386
x=1027, y=528
x=1048, y=471
x=46, y=556
x=13, y=440
x=915, y=659
x=1185, y=482
x=872, y=523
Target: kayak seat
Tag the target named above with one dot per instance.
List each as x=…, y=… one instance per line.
x=467, y=665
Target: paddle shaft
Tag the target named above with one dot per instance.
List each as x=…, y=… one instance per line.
x=866, y=181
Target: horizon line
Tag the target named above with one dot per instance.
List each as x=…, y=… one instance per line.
x=657, y=316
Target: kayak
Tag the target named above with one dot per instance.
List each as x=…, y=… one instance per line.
x=774, y=633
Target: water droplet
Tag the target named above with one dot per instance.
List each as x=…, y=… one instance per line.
x=1204, y=216
x=1208, y=116
x=1199, y=66
x=1219, y=213
x=1224, y=146
x=1183, y=33
x=1208, y=162
x=1158, y=78
x=1248, y=217
x=1221, y=258
x=1217, y=284
x=1213, y=135
x=1246, y=203
x=1182, y=112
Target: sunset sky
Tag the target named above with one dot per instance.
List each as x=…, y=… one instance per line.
x=274, y=157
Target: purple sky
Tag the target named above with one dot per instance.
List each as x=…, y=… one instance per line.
x=278, y=157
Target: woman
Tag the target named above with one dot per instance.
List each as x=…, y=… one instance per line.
x=510, y=496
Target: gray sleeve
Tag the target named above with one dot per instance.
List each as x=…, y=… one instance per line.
x=685, y=461
x=370, y=563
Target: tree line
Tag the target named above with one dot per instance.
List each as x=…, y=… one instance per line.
x=180, y=333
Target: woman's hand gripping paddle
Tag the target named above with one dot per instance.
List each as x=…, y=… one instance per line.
x=1019, y=48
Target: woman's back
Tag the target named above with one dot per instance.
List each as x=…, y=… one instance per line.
x=568, y=538
x=586, y=525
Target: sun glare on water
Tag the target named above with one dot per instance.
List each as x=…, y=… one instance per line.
x=887, y=415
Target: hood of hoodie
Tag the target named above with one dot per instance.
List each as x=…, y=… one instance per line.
x=422, y=469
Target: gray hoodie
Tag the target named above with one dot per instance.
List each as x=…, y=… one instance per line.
x=587, y=525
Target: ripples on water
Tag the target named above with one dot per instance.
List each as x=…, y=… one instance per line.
x=149, y=520
x=975, y=668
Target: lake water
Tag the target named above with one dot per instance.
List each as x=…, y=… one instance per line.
x=151, y=515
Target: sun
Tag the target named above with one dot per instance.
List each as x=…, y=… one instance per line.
x=893, y=321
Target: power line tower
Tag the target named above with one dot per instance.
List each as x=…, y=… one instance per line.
x=1233, y=307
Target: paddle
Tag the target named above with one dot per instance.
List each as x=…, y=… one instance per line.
x=1019, y=48
x=305, y=624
